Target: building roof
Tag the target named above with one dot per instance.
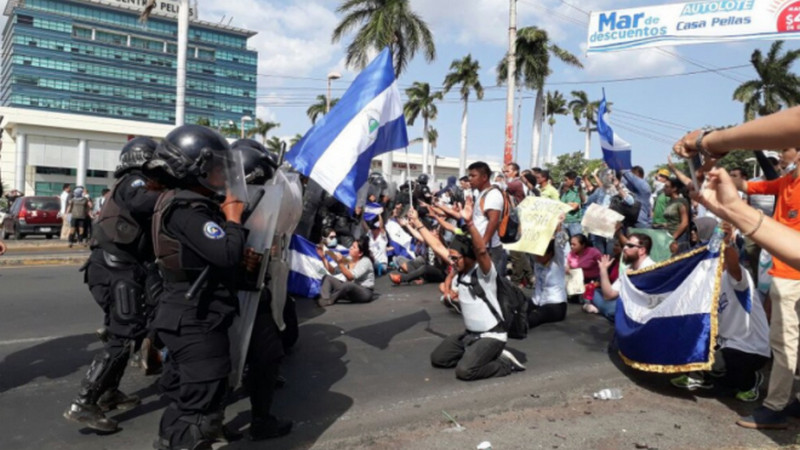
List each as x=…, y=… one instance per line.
x=137, y=8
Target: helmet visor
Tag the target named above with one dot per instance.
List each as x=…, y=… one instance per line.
x=224, y=174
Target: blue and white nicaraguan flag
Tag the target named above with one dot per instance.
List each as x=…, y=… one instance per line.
x=305, y=267
x=367, y=121
x=372, y=210
x=666, y=319
x=399, y=240
x=616, y=152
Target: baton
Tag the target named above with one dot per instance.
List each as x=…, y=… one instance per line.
x=192, y=292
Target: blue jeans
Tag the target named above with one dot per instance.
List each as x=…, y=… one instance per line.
x=606, y=246
x=573, y=228
x=607, y=308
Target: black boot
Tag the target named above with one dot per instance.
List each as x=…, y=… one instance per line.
x=269, y=428
x=116, y=399
x=103, y=375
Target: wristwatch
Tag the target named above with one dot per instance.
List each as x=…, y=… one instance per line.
x=699, y=142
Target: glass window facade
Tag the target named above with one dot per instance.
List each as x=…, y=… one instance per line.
x=83, y=57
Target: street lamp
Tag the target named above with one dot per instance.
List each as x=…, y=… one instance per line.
x=331, y=76
x=244, y=119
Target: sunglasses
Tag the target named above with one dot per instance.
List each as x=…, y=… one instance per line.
x=629, y=245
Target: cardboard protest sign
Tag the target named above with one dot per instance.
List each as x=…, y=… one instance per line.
x=600, y=221
x=538, y=218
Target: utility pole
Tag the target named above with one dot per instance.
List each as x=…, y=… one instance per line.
x=508, y=153
x=180, y=81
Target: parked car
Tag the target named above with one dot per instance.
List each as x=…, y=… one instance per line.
x=32, y=215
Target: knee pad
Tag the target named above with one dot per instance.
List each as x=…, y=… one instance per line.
x=128, y=302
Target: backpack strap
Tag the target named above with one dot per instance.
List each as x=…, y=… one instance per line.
x=505, y=214
x=476, y=290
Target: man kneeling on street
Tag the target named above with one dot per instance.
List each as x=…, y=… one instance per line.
x=479, y=352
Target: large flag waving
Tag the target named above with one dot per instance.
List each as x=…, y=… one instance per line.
x=367, y=121
x=666, y=318
x=616, y=152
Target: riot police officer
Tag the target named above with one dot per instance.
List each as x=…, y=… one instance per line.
x=265, y=351
x=116, y=273
x=199, y=247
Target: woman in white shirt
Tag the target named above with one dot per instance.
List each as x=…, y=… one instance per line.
x=350, y=279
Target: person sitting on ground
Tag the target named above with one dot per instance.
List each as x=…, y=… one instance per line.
x=549, y=300
x=479, y=352
x=585, y=257
x=743, y=336
x=330, y=241
x=378, y=244
x=419, y=270
x=351, y=278
x=636, y=254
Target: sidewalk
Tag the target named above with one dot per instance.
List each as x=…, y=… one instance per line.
x=32, y=251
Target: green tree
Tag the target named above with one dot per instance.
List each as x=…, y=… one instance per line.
x=295, y=139
x=262, y=128
x=555, y=105
x=383, y=23
x=464, y=72
x=422, y=102
x=571, y=161
x=775, y=87
x=583, y=109
x=231, y=130
x=274, y=144
x=203, y=121
x=318, y=109
x=533, y=50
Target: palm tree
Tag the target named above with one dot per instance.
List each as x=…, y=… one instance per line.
x=421, y=103
x=203, y=121
x=533, y=51
x=274, y=144
x=230, y=130
x=319, y=108
x=582, y=108
x=383, y=23
x=775, y=87
x=295, y=139
x=556, y=104
x=464, y=72
x=262, y=128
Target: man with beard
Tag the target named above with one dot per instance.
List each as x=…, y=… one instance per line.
x=636, y=255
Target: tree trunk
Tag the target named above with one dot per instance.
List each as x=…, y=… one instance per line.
x=550, y=146
x=588, y=143
x=538, y=117
x=462, y=162
x=425, y=145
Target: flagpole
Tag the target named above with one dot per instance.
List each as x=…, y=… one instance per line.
x=408, y=177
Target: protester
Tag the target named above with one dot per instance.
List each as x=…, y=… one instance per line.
x=544, y=181
x=378, y=244
x=66, y=224
x=479, y=352
x=660, y=199
x=634, y=182
x=488, y=210
x=743, y=337
x=514, y=185
x=676, y=215
x=78, y=208
x=351, y=279
x=420, y=270
x=636, y=254
x=549, y=301
x=585, y=257
x=572, y=194
x=521, y=271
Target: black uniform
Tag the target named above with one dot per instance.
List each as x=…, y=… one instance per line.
x=115, y=274
x=191, y=233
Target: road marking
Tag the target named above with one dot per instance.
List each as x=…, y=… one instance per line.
x=29, y=340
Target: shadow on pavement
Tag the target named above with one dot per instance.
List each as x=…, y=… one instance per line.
x=307, y=398
x=52, y=359
x=379, y=335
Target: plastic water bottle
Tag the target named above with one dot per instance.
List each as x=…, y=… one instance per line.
x=716, y=239
x=608, y=394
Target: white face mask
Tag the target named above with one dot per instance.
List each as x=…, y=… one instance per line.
x=790, y=168
x=331, y=242
x=658, y=185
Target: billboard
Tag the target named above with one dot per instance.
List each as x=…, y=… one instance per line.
x=693, y=23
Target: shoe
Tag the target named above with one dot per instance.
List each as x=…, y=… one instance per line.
x=323, y=302
x=752, y=394
x=395, y=277
x=590, y=308
x=792, y=409
x=452, y=304
x=764, y=418
x=90, y=416
x=269, y=428
x=690, y=383
x=117, y=399
x=516, y=366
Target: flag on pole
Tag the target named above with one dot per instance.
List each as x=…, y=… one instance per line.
x=368, y=121
x=371, y=211
x=666, y=319
x=616, y=152
x=399, y=240
x=305, y=267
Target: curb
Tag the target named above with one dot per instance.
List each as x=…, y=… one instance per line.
x=43, y=261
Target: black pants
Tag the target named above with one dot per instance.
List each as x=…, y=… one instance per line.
x=520, y=267
x=195, y=377
x=739, y=368
x=499, y=259
x=335, y=289
x=427, y=272
x=263, y=361
x=552, y=312
x=474, y=358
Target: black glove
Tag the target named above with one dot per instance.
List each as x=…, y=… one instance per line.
x=153, y=285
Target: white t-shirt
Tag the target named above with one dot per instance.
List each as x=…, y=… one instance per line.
x=478, y=317
x=494, y=200
x=377, y=246
x=64, y=197
x=646, y=263
x=739, y=330
x=551, y=287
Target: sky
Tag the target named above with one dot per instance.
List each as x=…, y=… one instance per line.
x=296, y=54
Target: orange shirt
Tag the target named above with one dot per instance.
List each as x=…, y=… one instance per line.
x=786, y=190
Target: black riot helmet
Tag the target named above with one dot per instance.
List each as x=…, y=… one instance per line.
x=192, y=155
x=135, y=154
x=423, y=179
x=259, y=164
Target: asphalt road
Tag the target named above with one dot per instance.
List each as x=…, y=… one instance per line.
x=360, y=378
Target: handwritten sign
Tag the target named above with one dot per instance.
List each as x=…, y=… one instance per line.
x=600, y=221
x=575, y=285
x=538, y=218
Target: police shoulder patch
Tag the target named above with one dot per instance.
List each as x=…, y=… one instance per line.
x=213, y=231
x=137, y=183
